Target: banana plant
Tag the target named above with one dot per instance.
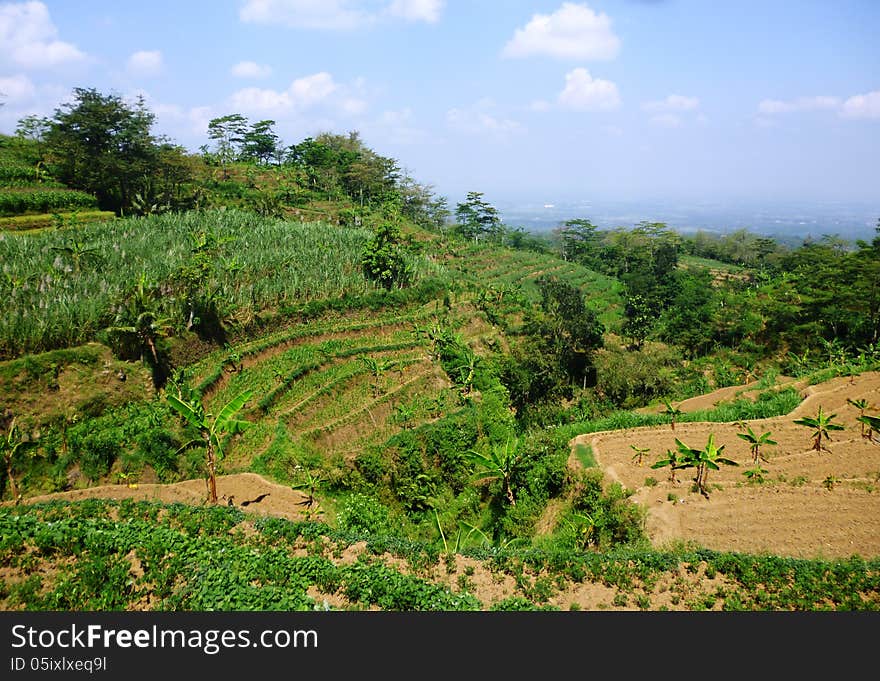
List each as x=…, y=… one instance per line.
x=212, y=430
x=639, y=453
x=12, y=447
x=871, y=424
x=672, y=412
x=703, y=460
x=756, y=442
x=672, y=460
x=499, y=464
x=861, y=405
x=821, y=424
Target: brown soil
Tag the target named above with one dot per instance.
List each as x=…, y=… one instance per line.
x=248, y=491
x=823, y=504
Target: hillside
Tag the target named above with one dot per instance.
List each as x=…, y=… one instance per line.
x=803, y=537
x=298, y=380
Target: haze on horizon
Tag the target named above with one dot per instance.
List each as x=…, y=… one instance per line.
x=526, y=100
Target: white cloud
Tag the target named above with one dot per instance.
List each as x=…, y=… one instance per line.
x=672, y=103
x=398, y=128
x=476, y=120
x=16, y=89
x=145, y=63
x=584, y=93
x=776, y=106
x=320, y=14
x=865, y=105
x=862, y=106
x=667, y=120
x=309, y=92
x=29, y=39
x=250, y=69
x=540, y=105
x=417, y=10
x=574, y=31
x=341, y=15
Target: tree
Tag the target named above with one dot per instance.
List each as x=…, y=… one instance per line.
x=228, y=133
x=102, y=145
x=212, y=430
x=383, y=260
x=138, y=329
x=756, y=442
x=821, y=424
x=476, y=217
x=260, y=142
x=570, y=331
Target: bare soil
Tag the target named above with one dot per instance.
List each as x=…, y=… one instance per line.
x=812, y=504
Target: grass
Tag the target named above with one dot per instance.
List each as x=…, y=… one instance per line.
x=584, y=454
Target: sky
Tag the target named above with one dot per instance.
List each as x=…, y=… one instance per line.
x=523, y=100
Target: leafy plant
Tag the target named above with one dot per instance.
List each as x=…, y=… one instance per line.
x=672, y=460
x=821, y=424
x=672, y=412
x=703, y=460
x=861, y=405
x=212, y=429
x=755, y=474
x=639, y=453
x=756, y=442
x=500, y=463
x=12, y=446
x=871, y=425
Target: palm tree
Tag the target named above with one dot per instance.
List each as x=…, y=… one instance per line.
x=212, y=429
x=639, y=453
x=756, y=442
x=821, y=424
x=672, y=412
x=11, y=446
x=703, y=460
x=499, y=464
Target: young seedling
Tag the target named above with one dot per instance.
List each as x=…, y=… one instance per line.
x=756, y=442
x=672, y=460
x=672, y=412
x=639, y=453
x=870, y=424
x=821, y=424
x=861, y=405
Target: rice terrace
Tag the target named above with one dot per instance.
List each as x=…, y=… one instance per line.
x=288, y=375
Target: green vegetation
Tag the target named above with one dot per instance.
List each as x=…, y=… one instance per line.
x=82, y=556
x=313, y=314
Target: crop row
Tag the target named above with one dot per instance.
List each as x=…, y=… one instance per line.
x=64, y=288
x=27, y=200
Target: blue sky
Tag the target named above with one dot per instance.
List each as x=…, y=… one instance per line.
x=522, y=100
